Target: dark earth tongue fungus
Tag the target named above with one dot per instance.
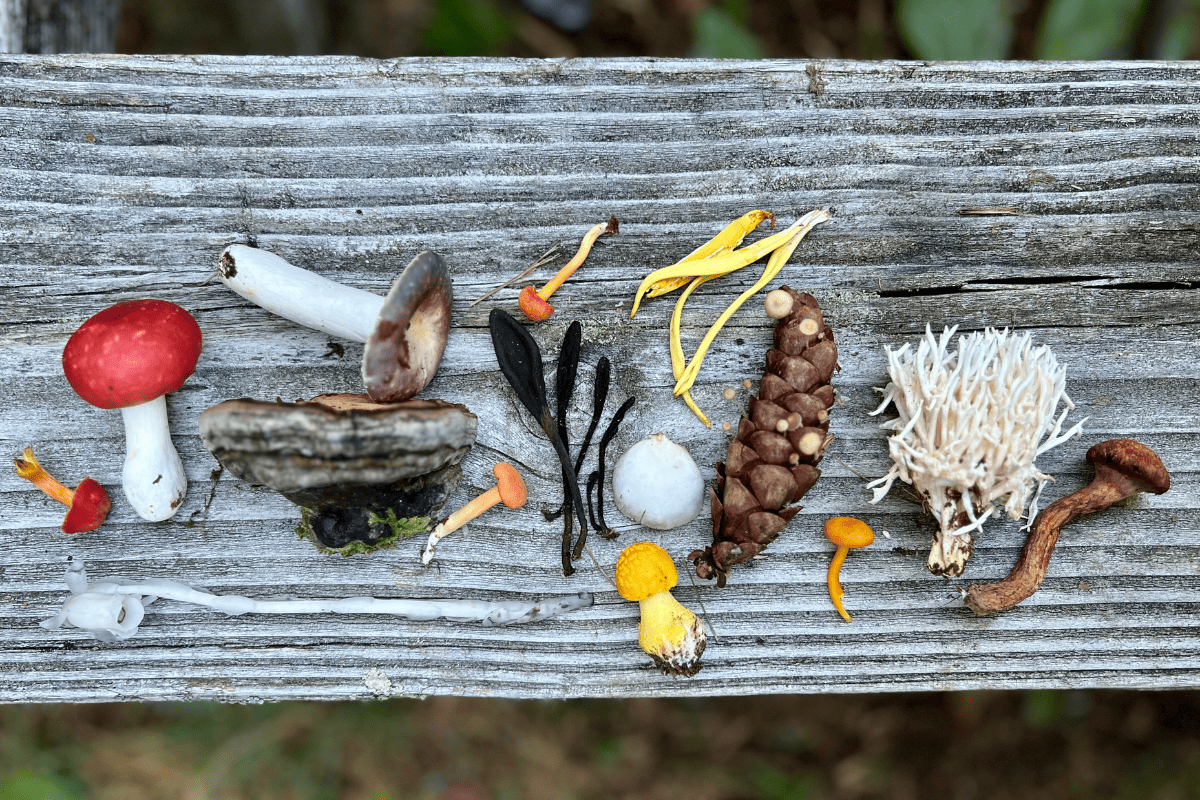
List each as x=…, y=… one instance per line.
x=564, y=388
x=365, y=473
x=596, y=479
x=520, y=361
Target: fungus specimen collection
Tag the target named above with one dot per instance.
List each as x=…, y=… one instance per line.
x=969, y=425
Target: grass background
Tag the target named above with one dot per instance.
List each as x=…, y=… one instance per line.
x=951, y=746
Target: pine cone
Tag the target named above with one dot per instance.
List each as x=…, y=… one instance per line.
x=773, y=461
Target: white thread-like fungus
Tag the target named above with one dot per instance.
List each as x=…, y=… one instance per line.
x=970, y=424
x=111, y=609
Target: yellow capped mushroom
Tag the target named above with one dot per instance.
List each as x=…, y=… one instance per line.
x=672, y=635
x=848, y=534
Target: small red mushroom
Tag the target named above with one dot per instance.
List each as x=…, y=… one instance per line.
x=534, y=301
x=129, y=356
x=87, y=504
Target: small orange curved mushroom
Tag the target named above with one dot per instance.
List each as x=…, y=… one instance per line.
x=87, y=504
x=848, y=534
x=534, y=301
x=509, y=489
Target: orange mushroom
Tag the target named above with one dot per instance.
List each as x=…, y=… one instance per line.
x=87, y=505
x=509, y=489
x=533, y=301
x=848, y=534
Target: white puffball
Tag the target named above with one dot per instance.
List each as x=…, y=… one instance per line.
x=657, y=484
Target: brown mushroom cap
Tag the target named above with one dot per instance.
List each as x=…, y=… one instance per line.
x=403, y=352
x=1131, y=464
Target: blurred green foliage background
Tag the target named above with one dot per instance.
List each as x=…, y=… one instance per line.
x=1035, y=745
x=925, y=29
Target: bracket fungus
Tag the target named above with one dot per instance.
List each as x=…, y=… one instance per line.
x=365, y=472
x=657, y=484
x=671, y=634
x=130, y=356
x=509, y=489
x=1123, y=467
x=112, y=609
x=87, y=504
x=405, y=332
x=969, y=425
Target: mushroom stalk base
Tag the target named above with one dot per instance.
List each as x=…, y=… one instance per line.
x=153, y=476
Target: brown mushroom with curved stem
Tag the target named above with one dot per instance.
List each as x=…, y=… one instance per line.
x=404, y=333
x=509, y=489
x=1124, y=467
x=534, y=302
x=87, y=504
x=848, y=534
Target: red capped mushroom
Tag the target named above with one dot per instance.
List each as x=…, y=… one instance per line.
x=405, y=333
x=130, y=356
x=87, y=504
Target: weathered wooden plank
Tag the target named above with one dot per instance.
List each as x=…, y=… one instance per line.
x=125, y=177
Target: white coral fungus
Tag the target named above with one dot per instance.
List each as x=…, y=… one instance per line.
x=970, y=425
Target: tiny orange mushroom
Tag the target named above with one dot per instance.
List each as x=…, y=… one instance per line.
x=848, y=534
x=87, y=504
x=534, y=301
x=509, y=489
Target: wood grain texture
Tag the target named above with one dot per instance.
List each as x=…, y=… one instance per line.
x=124, y=177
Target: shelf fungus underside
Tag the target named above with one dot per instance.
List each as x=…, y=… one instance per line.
x=365, y=473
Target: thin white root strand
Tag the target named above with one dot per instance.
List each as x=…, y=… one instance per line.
x=111, y=609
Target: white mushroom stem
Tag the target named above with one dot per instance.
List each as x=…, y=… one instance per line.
x=304, y=297
x=153, y=476
x=111, y=609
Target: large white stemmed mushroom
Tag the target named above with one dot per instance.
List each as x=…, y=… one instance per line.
x=130, y=356
x=404, y=333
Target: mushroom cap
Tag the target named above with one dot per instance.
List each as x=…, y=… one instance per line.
x=335, y=440
x=132, y=353
x=778, y=304
x=89, y=509
x=1134, y=462
x=533, y=305
x=643, y=570
x=403, y=352
x=849, y=532
x=511, y=485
